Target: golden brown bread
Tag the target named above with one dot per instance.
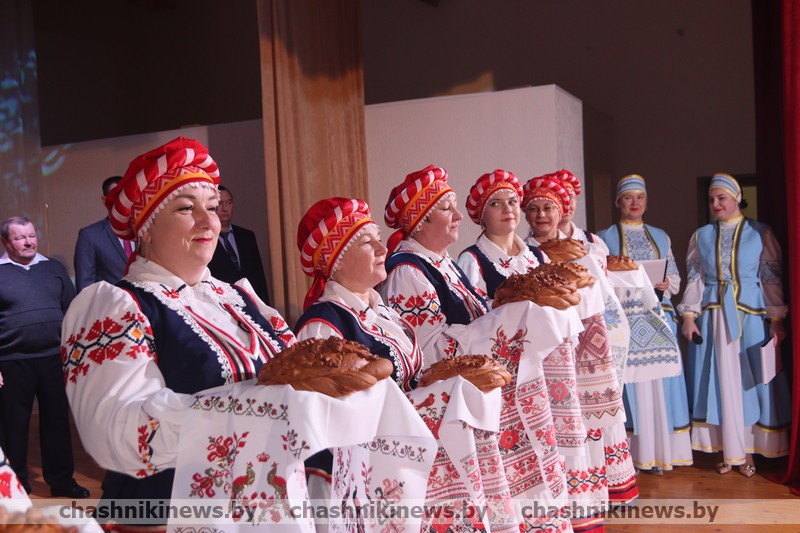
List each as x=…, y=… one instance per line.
x=332, y=366
x=544, y=289
x=563, y=249
x=572, y=272
x=480, y=370
x=618, y=263
x=32, y=520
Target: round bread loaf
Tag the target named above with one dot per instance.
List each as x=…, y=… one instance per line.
x=480, y=370
x=563, y=249
x=618, y=263
x=332, y=366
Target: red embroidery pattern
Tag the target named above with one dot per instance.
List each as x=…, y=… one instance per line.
x=418, y=309
x=451, y=345
x=170, y=293
x=145, y=436
x=5, y=484
x=617, y=453
x=282, y=330
x=533, y=458
x=106, y=340
x=587, y=481
x=222, y=455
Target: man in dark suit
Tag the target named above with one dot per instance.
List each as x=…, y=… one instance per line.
x=237, y=256
x=99, y=254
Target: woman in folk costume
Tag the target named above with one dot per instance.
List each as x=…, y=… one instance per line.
x=493, y=203
x=658, y=410
x=337, y=237
x=594, y=245
x=135, y=352
x=424, y=284
x=734, y=301
x=340, y=247
x=428, y=289
x=545, y=201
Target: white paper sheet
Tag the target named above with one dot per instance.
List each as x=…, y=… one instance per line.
x=656, y=269
x=770, y=361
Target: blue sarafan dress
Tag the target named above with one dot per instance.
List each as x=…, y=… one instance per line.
x=734, y=285
x=658, y=409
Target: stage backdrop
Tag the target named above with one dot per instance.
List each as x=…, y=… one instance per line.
x=529, y=131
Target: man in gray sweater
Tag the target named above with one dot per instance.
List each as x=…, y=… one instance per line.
x=34, y=295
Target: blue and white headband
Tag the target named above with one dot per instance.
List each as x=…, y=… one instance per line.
x=727, y=183
x=630, y=183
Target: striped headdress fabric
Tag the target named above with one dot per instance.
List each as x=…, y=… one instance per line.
x=323, y=236
x=486, y=187
x=569, y=180
x=630, y=184
x=727, y=183
x=410, y=201
x=549, y=188
x=153, y=178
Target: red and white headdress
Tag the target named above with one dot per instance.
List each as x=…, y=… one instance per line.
x=410, y=201
x=549, y=188
x=570, y=181
x=154, y=178
x=487, y=186
x=324, y=234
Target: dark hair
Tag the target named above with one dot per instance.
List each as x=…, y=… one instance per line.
x=13, y=221
x=110, y=183
x=224, y=188
x=743, y=204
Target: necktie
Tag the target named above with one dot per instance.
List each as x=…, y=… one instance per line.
x=228, y=245
x=128, y=246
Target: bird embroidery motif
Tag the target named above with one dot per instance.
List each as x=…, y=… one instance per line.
x=242, y=482
x=276, y=482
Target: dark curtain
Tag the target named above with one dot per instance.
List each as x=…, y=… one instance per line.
x=790, y=42
x=776, y=38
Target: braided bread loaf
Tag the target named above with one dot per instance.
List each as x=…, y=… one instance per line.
x=480, y=370
x=618, y=263
x=572, y=272
x=546, y=290
x=563, y=249
x=332, y=366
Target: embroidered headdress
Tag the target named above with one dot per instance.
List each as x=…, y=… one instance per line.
x=153, y=179
x=569, y=180
x=410, y=201
x=324, y=234
x=549, y=188
x=487, y=186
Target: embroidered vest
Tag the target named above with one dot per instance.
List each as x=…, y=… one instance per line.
x=351, y=328
x=489, y=273
x=188, y=363
x=454, y=309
